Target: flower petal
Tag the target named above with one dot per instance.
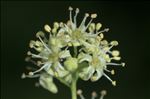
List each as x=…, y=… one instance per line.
x=84, y=57
x=87, y=73
x=47, y=83
x=97, y=76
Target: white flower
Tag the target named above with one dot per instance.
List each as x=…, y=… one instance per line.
x=72, y=50
x=98, y=58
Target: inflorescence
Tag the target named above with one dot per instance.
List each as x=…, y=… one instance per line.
x=72, y=47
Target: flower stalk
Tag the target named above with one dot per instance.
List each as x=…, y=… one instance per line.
x=74, y=89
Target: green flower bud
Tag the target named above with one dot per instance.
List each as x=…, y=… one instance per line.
x=71, y=64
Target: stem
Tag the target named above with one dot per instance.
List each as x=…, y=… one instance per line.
x=73, y=89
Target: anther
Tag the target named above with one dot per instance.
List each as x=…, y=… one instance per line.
x=103, y=92
x=101, y=35
x=93, y=16
x=31, y=44
x=77, y=10
x=40, y=33
x=47, y=28
x=105, y=30
x=37, y=84
x=112, y=72
x=31, y=73
x=39, y=63
x=116, y=58
x=61, y=24
x=114, y=43
x=123, y=64
x=115, y=53
x=98, y=26
x=70, y=8
x=79, y=92
x=27, y=59
x=56, y=25
x=86, y=15
x=23, y=76
x=94, y=95
x=114, y=83
x=29, y=53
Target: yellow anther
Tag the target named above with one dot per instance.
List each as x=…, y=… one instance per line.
x=112, y=72
x=93, y=15
x=47, y=28
x=114, y=83
x=123, y=64
x=79, y=91
x=31, y=73
x=114, y=43
x=115, y=53
x=56, y=25
x=103, y=92
x=98, y=26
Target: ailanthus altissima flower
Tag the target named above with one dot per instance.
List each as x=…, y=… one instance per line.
x=68, y=51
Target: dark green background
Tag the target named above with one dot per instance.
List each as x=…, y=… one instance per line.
x=128, y=23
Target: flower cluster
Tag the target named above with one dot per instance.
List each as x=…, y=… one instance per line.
x=72, y=50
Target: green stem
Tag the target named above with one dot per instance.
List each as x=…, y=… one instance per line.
x=73, y=89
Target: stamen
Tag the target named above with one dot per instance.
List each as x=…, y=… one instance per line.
x=113, y=82
x=79, y=92
x=28, y=59
x=35, y=56
x=115, y=64
x=103, y=93
x=83, y=21
x=29, y=76
x=94, y=95
x=46, y=65
x=115, y=53
x=92, y=17
x=39, y=63
x=105, y=30
x=75, y=17
x=44, y=44
x=70, y=9
x=112, y=71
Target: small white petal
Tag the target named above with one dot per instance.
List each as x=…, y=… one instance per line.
x=64, y=54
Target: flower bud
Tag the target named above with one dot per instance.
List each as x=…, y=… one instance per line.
x=71, y=64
